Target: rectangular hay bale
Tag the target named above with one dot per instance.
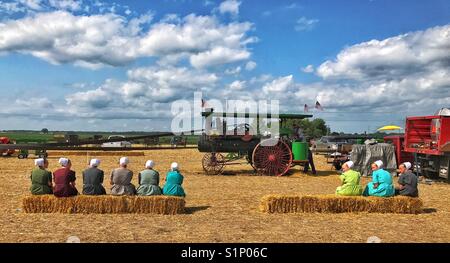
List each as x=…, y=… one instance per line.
x=104, y=204
x=339, y=204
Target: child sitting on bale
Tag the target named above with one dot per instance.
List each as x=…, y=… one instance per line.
x=174, y=180
x=350, y=181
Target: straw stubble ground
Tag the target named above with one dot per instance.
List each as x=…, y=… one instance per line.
x=219, y=209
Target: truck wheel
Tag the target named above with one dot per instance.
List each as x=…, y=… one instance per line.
x=21, y=156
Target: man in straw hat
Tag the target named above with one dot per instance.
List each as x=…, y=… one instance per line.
x=93, y=179
x=121, y=179
x=381, y=184
x=350, y=181
x=407, y=181
x=41, y=179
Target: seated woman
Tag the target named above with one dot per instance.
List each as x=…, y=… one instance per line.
x=121, y=179
x=149, y=180
x=407, y=181
x=174, y=180
x=64, y=179
x=41, y=179
x=93, y=179
x=381, y=184
x=350, y=181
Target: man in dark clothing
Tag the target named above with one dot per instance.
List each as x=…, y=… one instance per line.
x=93, y=179
x=310, y=161
x=407, y=181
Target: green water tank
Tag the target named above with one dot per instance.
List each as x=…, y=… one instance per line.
x=300, y=151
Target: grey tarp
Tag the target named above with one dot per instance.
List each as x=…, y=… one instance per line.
x=364, y=155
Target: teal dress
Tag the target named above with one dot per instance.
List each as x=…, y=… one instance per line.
x=174, y=180
x=385, y=187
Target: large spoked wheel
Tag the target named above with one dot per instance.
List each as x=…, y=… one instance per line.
x=272, y=157
x=213, y=163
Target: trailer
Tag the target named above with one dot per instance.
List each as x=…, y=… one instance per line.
x=428, y=139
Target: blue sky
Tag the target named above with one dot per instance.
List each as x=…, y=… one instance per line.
x=118, y=65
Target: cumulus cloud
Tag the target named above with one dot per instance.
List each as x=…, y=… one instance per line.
x=144, y=88
x=39, y=103
x=279, y=85
x=251, y=65
x=109, y=39
x=66, y=4
x=308, y=69
x=237, y=85
x=394, y=57
x=305, y=24
x=229, y=6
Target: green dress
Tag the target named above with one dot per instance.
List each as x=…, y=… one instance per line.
x=149, y=183
x=40, y=179
x=174, y=180
x=350, y=183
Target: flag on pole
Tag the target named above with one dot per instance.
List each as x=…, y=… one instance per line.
x=318, y=106
x=305, y=109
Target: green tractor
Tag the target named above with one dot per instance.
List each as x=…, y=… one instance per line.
x=39, y=153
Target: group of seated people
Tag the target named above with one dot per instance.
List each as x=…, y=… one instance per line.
x=62, y=183
x=381, y=184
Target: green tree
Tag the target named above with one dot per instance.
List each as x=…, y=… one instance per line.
x=44, y=131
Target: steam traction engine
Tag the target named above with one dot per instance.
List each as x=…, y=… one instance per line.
x=267, y=155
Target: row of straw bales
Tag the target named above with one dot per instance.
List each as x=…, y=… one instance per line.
x=339, y=204
x=104, y=204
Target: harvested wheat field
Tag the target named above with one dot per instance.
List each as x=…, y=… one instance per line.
x=221, y=208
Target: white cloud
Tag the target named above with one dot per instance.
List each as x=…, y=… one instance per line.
x=393, y=57
x=305, y=24
x=72, y=5
x=36, y=103
x=308, y=69
x=237, y=85
x=251, y=65
x=233, y=71
x=278, y=85
x=144, y=89
x=109, y=39
x=218, y=56
x=229, y=6
x=32, y=4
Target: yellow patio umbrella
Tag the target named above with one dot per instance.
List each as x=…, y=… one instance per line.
x=390, y=128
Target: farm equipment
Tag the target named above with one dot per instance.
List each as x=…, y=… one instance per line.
x=267, y=155
x=179, y=140
x=72, y=142
x=6, y=152
x=428, y=139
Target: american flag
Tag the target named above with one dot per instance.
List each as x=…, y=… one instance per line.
x=305, y=109
x=318, y=106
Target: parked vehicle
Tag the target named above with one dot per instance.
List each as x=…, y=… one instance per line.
x=124, y=143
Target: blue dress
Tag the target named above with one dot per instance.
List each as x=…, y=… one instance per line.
x=174, y=180
x=385, y=187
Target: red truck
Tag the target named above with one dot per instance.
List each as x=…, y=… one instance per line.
x=8, y=152
x=427, y=141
